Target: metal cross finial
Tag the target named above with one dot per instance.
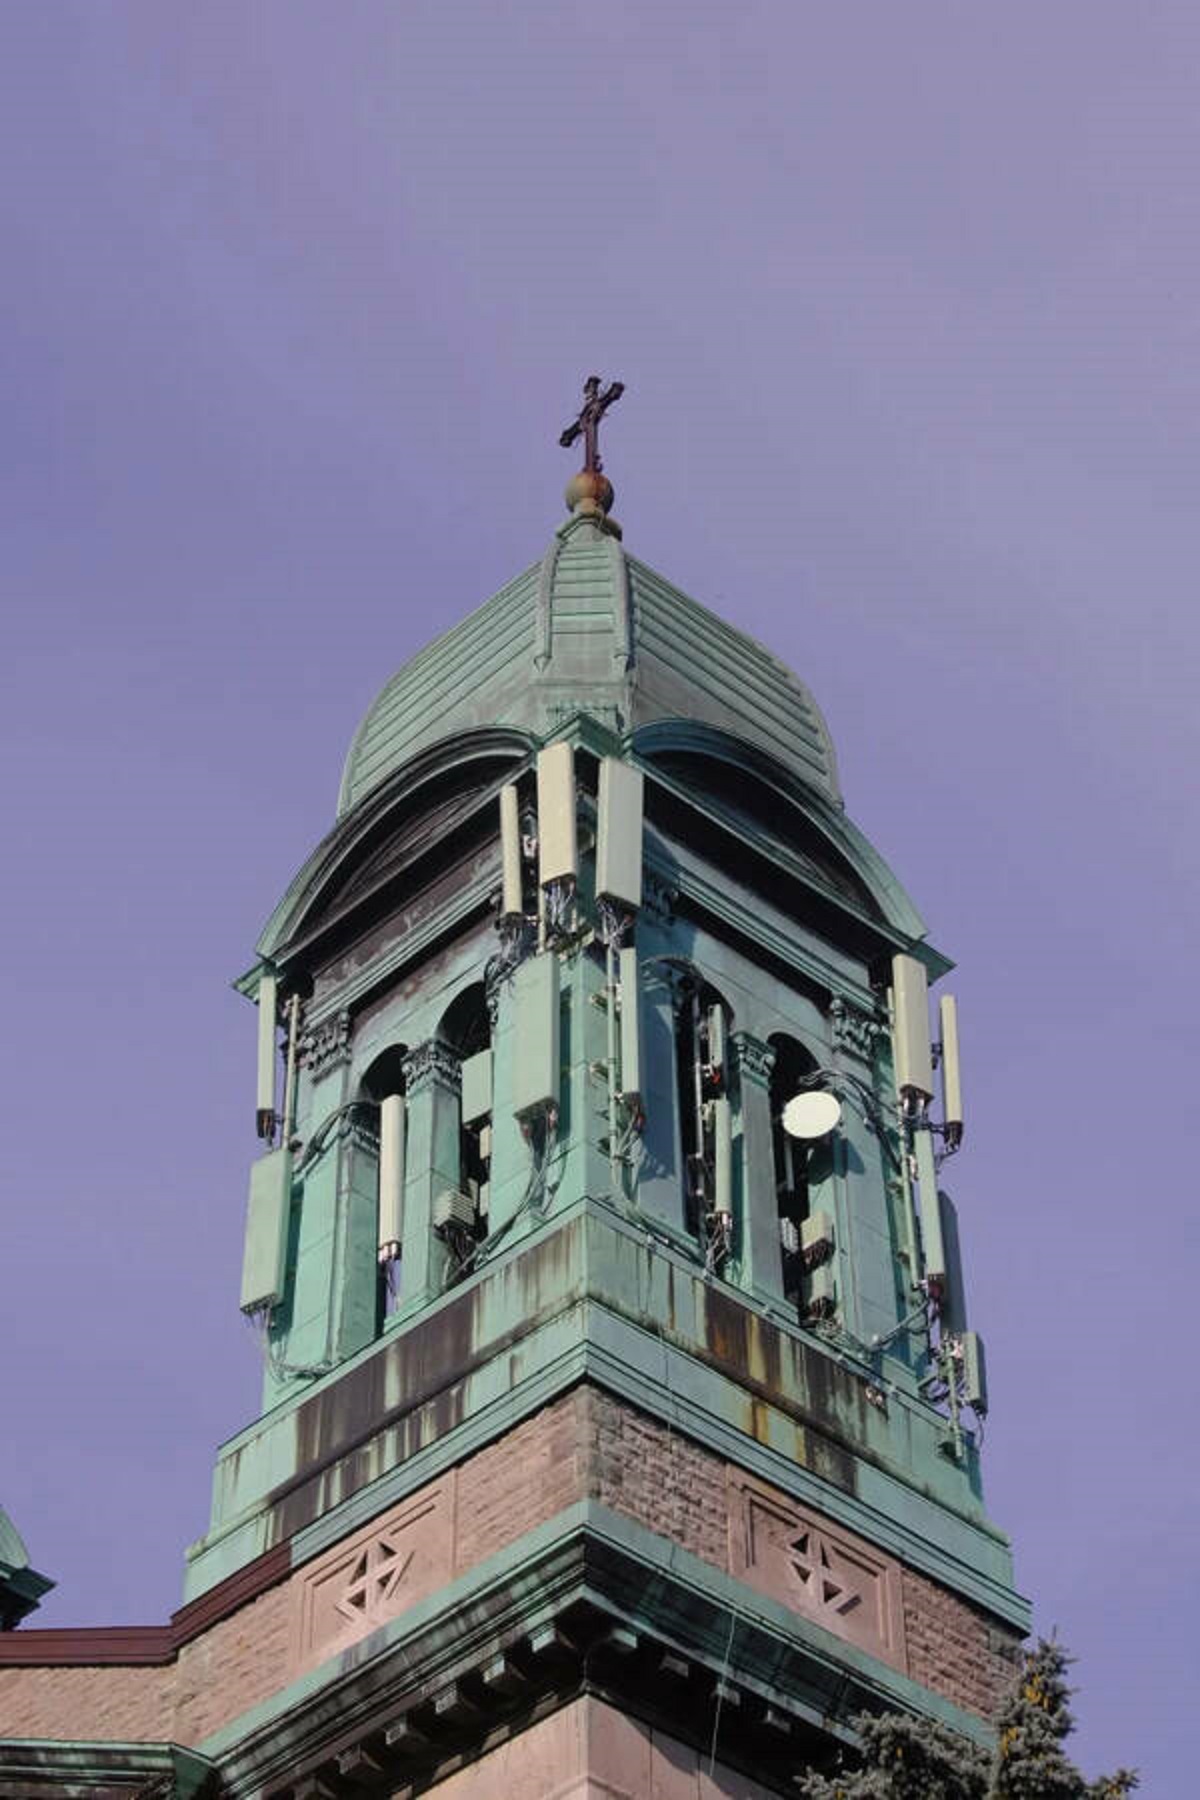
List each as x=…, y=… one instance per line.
x=587, y=425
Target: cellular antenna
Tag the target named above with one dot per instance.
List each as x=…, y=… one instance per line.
x=910, y=1032
x=952, y=1106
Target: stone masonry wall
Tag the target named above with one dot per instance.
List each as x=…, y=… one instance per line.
x=649, y=1472
x=521, y=1480
x=954, y=1648
x=589, y=1751
x=584, y=1445
x=231, y=1667
x=131, y=1705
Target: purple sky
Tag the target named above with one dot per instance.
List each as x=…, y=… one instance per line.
x=296, y=299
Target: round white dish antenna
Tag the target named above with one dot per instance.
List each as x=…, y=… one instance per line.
x=811, y=1115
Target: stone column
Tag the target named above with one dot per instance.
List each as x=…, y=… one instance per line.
x=756, y=1230
x=432, y=1085
x=355, y=1269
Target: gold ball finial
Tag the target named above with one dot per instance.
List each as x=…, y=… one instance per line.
x=589, y=493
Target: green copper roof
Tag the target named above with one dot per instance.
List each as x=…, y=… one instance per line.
x=13, y=1554
x=21, y=1587
x=590, y=629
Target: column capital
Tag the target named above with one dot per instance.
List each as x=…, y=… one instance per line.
x=755, y=1060
x=659, y=898
x=853, y=1030
x=432, y=1064
x=327, y=1045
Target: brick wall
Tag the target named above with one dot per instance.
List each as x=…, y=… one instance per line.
x=231, y=1667
x=130, y=1704
x=589, y=1446
x=955, y=1648
x=522, y=1480
x=649, y=1472
x=584, y=1445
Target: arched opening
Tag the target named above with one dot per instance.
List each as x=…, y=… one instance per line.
x=385, y=1075
x=746, y=783
x=466, y=1029
x=703, y=1020
x=466, y=1025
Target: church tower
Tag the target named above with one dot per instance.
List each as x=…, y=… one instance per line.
x=619, y=1428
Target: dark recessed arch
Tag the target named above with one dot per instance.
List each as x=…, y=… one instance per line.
x=746, y=783
x=409, y=815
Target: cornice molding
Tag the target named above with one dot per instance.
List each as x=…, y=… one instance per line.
x=561, y=1612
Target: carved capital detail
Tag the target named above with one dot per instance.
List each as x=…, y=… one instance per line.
x=854, y=1030
x=658, y=899
x=755, y=1060
x=326, y=1045
x=430, y=1063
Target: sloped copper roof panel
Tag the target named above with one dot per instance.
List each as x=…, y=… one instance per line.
x=590, y=627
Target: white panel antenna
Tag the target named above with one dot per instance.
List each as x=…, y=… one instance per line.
x=952, y=1106
x=932, y=1245
x=721, y=1115
x=619, y=833
x=392, y=1133
x=512, y=896
x=631, y=1054
x=264, y=1259
x=717, y=1048
x=811, y=1115
x=476, y=1087
x=268, y=1002
x=558, y=842
x=974, y=1382
x=910, y=1028
x=536, y=1033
